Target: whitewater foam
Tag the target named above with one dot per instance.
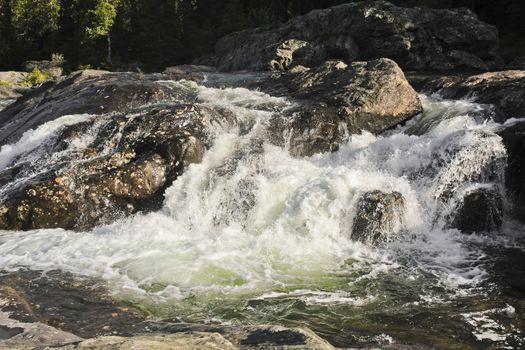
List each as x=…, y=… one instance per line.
x=252, y=221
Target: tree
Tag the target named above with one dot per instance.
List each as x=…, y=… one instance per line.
x=103, y=16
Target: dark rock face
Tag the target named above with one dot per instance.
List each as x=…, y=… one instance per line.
x=505, y=90
x=416, y=38
x=340, y=99
x=64, y=301
x=480, y=211
x=133, y=155
x=379, y=216
x=514, y=140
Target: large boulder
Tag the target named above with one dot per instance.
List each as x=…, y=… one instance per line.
x=514, y=140
x=85, y=92
x=481, y=210
x=81, y=170
x=417, y=38
x=12, y=85
x=337, y=99
x=379, y=217
x=504, y=89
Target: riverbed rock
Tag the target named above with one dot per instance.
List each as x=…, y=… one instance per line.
x=18, y=335
x=514, y=140
x=269, y=337
x=86, y=92
x=130, y=160
x=379, y=216
x=481, y=210
x=417, y=38
x=338, y=100
x=182, y=341
x=133, y=137
x=504, y=89
x=74, y=304
x=11, y=85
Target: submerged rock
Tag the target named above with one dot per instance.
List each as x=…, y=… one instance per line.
x=481, y=210
x=505, y=90
x=340, y=99
x=379, y=216
x=417, y=38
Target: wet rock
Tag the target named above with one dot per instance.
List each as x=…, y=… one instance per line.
x=417, y=38
x=338, y=100
x=15, y=335
x=129, y=162
x=77, y=305
x=379, y=216
x=481, y=210
x=505, y=90
x=189, y=72
x=90, y=92
x=514, y=140
x=269, y=337
x=182, y=341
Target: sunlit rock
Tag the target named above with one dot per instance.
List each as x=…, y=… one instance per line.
x=340, y=100
x=379, y=216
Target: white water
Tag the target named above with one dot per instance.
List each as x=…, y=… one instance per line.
x=249, y=221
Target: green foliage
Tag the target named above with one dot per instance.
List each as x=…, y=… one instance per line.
x=36, y=77
x=157, y=33
x=103, y=16
x=35, y=18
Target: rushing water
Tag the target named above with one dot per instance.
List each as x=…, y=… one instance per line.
x=253, y=235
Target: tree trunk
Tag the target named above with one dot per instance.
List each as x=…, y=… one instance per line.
x=108, y=59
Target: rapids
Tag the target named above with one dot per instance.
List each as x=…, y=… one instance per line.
x=253, y=235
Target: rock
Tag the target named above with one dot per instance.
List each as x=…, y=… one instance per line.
x=131, y=155
x=181, y=341
x=13, y=77
x=189, y=72
x=90, y=92
x=77, y=305
x=481, y=210
x=20, y=335
x=416, y=38
x=195, y=337
x=514, y=140
x=379, y=216
x=340, y=99
x=11, y=92
x=517, y=63
x=11, y=85
x=268, y=337
x=50, y=68
x=505, y=90
x=290, y=53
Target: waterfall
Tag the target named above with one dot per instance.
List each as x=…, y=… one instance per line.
x=251, y=222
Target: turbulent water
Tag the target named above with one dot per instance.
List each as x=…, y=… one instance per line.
x=253, y=235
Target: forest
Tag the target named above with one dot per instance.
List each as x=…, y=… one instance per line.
x=152, y=34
